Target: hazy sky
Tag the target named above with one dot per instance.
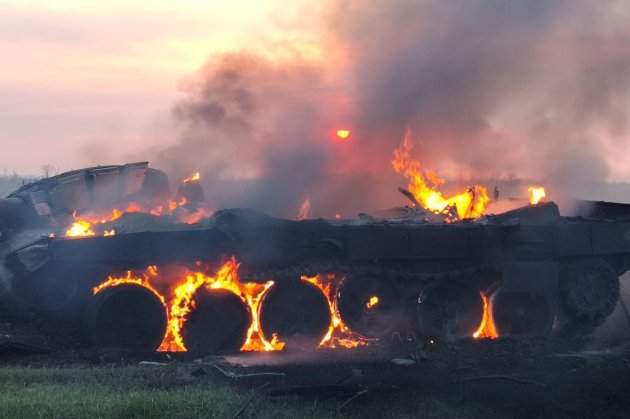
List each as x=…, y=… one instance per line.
x=76, y=74
x=252, y=89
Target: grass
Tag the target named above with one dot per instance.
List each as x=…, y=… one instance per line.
x=121, y=392
x=165, y=392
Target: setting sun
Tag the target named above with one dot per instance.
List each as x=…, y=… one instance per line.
x=343, y=134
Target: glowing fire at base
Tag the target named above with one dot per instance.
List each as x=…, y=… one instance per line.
x=181, y=304
x=537, y=194
x=225, y=278
x=338, y=333
x=423, y=185
x=486, y=329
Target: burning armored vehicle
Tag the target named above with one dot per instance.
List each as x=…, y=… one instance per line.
x=164, y=274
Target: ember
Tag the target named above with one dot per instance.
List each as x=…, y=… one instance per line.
x=372, y=302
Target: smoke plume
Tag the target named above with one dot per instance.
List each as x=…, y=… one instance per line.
x=488, y=87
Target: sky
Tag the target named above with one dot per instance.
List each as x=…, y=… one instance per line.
x=79, y=73
x=250, y=93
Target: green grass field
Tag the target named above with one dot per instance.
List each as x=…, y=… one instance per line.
x=164, y=392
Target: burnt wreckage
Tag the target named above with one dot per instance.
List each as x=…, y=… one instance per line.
x=542, y=273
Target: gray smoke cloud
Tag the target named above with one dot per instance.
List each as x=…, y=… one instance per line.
x=493, y=86
x=539, y=88
x=258, y=130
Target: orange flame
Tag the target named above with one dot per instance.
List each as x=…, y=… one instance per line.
x=423, y=186
x=537, y=194
x=344, y=336
x=486, y=329
x=195, y=177
x=372, y=302
x=80, y=228
x=130, y=279
x=181, y=304
x=187, y=282
x=225, y=278
x=83, y=226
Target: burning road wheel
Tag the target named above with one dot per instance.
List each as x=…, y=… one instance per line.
x=297, y=312
x=371, y=306
x=127, y=317
x=521, y=315
x=218, y=323
x=589, y=290
x=450, y=310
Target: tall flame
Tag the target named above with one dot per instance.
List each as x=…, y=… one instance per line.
x=486, y=329
x=423, y=185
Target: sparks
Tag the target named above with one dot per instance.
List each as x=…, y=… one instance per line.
x=343, y=336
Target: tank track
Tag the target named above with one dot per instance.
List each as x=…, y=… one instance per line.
x=406, y=273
